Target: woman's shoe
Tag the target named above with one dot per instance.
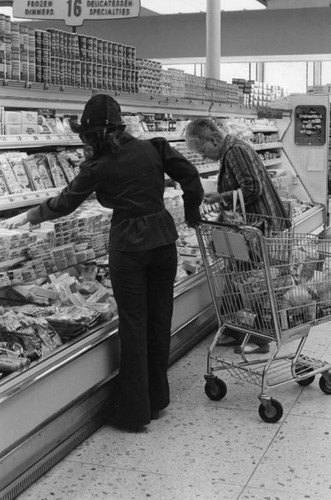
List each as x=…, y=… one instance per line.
x=155, y=415
x=226, y=340
x=253, y=349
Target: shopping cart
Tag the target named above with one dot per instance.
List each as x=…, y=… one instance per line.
x=275, y=287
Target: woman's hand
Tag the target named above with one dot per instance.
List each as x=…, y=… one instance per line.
x=211, y=198
x=18, y=220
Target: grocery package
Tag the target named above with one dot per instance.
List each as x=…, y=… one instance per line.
x=8, y=175
x=33, y=172
x=29, y=334
x=16, y=161
x=71, y=321
x=58, y=176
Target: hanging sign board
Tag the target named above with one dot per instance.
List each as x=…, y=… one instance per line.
x=310, y=125
x=75, y=12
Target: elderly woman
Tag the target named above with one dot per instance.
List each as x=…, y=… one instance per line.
x=240, y=167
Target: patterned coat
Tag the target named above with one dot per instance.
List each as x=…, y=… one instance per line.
x=241, y=167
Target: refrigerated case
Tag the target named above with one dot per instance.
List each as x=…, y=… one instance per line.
x=305, y=144
x=49, y=408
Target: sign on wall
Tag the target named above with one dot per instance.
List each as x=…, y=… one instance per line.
x=310, y=125
x=75, y=12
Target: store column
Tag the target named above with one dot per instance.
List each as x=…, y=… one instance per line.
x=260, y=71
x=213, y=39
x=317, y=73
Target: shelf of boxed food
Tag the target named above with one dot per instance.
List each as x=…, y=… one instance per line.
x=26, y=179
x=58, y=271
x=203, y=165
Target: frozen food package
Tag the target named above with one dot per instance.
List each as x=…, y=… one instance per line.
x=43, y=167
x=59, y=125
x=66, y=165
x=44, y=127
x=8, y=174
x=75, y=160
x=33, y=173
x=51, y=124
x=17, y=164
x=57, y=173
x=66, y=125
x=3, y=186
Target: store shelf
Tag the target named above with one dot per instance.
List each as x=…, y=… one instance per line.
x=170, y=136
x=72, y=100
x=208, y=169
x=273, y=161
x=310, y=222
x=267, y=145
x=38, y=141
x=17, y=200
x=264, y=130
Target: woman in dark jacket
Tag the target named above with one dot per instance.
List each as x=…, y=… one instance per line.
x=128, y=176
x=240, y=167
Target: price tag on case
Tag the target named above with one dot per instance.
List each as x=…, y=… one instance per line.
x=35, y=137
x=3, y=138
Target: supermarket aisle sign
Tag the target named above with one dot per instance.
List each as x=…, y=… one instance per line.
x=75, y=12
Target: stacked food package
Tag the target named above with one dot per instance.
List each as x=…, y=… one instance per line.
x=54, y=282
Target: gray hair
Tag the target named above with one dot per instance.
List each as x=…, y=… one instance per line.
x=199, y=130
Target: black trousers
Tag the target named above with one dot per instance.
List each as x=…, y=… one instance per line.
x=143, y=285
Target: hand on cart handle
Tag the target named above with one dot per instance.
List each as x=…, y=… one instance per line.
x=16, y=221
x=193, y=223
x=211, y=198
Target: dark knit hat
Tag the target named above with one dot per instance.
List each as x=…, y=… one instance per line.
x=101, y=111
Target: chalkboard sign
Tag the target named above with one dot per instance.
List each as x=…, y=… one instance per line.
x=310, y=125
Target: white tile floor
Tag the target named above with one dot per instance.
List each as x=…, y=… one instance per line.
x=207, y=450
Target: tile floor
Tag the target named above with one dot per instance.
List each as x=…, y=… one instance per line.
x=207, y=450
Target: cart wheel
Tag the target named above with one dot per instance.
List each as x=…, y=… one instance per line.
x=271, y=413
x=215, y=389
x=324, y=385
x=305, y=381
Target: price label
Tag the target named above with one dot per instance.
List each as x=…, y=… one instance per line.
x=3, y=138
x=19, y=138
x=11, y=200
x=48, y=137
x=35, y=137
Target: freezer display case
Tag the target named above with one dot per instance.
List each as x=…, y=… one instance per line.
x=50, y=407
x=54, y=403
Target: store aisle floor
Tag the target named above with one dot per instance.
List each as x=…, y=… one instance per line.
x=208, y=450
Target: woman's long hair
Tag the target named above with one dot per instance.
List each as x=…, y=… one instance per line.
x=101, y=141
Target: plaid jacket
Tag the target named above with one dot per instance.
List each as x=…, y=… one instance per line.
x=241, y=167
